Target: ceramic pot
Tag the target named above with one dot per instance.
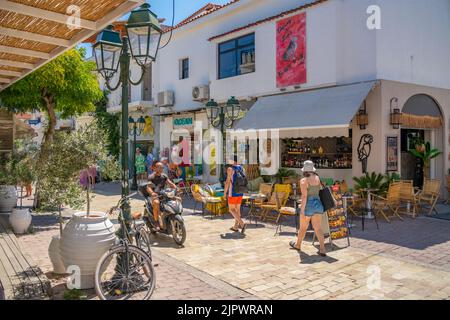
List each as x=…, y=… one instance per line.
x=55, y=256
x=8, y=198
x=20, y=220
x=84, y=240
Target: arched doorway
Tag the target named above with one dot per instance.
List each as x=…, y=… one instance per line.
x=422, y=122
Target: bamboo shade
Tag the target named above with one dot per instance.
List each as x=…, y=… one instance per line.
x=32, y=32
x=421, y=122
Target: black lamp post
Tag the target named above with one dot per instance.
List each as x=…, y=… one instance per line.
x=135, y=128
x=110, y=51
x=223, y=117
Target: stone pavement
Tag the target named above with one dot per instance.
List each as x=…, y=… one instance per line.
x=174, y=279
x=407, y=259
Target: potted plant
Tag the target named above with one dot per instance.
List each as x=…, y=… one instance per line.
x=20, y=218
x=284, y=173
x=8, y=196
x=425, y=153
x=87, y=235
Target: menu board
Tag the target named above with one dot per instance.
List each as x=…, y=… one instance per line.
x=337, y=219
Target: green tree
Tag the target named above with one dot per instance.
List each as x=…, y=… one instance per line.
x=426, y=154
x=59, y=174
x=67, y=85
x=109, y=123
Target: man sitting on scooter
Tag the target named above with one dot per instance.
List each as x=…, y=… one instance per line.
x=158, y=181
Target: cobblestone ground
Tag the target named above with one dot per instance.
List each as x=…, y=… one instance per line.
x=407, y=259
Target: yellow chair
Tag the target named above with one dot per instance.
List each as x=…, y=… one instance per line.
x=430, y=194
x=212, y=204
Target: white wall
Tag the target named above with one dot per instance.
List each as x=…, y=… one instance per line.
x=414, y=43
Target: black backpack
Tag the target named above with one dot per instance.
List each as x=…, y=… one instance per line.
x=240, y=182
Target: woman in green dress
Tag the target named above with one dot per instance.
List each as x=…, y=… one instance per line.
x=140, y=166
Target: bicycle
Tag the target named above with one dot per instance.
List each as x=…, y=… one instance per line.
x=126, y=270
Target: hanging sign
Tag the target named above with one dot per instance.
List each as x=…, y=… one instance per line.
x=183, y=122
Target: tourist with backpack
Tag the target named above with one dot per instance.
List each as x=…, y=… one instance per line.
x=235, y=187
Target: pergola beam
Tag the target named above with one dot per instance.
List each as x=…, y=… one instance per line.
x=44, y=14
x=24, y=52
x=5, y=80
x=10, y=73
x=17, y=64
x=34, y=37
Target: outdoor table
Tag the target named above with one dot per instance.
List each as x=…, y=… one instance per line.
x=252, y=198
x=297, y=199
x=368, y=208
x=345, y=199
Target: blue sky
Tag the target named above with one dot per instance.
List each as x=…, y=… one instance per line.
x=163, y=9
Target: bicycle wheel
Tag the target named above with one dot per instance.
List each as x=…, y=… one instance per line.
x=125, y=273
x=143, y=241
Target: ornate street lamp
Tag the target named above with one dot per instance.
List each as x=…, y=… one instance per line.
x=223, y=117
x=110, y=52
x=144, y=33
x=233, y=109
x=107, y=50
x=135, y=128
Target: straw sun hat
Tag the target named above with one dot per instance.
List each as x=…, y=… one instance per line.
x=308, y=166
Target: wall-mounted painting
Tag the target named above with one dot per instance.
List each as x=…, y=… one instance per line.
x=291, y=50
x=392, y=154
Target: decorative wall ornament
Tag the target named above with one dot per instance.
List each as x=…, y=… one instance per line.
x=364, y=150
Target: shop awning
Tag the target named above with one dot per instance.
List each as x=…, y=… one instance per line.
x=315, y=113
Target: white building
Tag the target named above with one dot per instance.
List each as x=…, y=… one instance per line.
x=358, y=56
x=402, y=46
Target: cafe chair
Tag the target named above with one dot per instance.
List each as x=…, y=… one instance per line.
x=265, y=190
x=408, y=196
x=448, y=189
x=389, y=203
x=271, y=205
x=206, y=200
x=429, y=195
x=282, y=212
x=277, y=201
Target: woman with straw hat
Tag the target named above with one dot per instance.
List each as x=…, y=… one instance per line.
x=311, y=208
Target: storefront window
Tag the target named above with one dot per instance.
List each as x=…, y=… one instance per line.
x=326, y=153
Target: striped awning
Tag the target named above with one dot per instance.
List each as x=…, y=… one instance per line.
x=33, y=32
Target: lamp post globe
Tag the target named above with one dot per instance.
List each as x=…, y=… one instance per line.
x=107, y=50
x=212, y=110
x=140, y=125
x=233, y=109
x=144, y=33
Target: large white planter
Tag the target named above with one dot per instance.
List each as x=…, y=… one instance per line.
x=55, y=256
x=8, y=198
x=20, y=220
x=84, y=240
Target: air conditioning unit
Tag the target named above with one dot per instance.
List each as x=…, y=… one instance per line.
x=200, y=93
x=166, y=99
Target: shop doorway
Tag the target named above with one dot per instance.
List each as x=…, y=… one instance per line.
x=422, y=123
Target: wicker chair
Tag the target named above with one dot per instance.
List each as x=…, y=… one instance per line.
x=391, y=202
x=430, y=194
x=407, y=195
x=271, y=205
x=202, y=196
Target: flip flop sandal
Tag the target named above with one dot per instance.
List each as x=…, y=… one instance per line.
x=321, y=254
x=243, y=228
x=234, y=230
x=292, y=244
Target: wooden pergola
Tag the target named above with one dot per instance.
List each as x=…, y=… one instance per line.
x=32, y=32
